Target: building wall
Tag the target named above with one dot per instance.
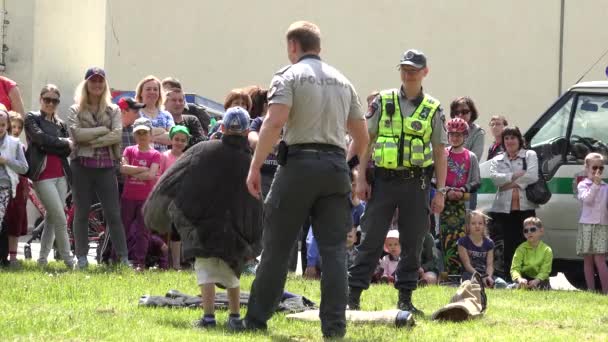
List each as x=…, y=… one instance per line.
x=504, y=57
x=68, y=40
x=586, y=39
x=20, y=42
x=53, y=42
x=504, y=54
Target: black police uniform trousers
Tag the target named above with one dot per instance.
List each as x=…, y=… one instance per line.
x=314, y=183
x=389, y=193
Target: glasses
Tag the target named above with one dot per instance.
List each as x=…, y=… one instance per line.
x=462, y=112
x=50, y=100
x=595, y=168
x=530, y=230
x=496, y=124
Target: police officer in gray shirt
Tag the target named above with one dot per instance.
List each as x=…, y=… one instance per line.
x=406, y=128
x=317, y=105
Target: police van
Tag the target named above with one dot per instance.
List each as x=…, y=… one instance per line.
x=576, y=124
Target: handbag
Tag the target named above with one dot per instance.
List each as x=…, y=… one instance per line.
x=537, y=193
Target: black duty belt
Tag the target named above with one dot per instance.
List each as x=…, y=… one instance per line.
x=415, y=172
x=314, y=148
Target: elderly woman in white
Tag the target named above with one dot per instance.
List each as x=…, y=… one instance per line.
x=511, y=172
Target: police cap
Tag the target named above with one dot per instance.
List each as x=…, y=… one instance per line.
x=413, y=57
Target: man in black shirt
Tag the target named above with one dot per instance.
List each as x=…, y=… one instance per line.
x=190, y=108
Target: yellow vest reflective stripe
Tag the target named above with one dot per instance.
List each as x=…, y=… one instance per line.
x=413, y=133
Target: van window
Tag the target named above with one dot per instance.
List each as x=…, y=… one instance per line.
x=555, y=127
x=590, y=126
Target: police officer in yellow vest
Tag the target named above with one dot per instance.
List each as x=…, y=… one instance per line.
x=407, y=138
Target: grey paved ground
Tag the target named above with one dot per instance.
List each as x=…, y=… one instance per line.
x=36, y=252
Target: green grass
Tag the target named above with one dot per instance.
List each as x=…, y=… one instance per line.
x=101, y=304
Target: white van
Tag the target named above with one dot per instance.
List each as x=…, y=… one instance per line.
x=576, y=124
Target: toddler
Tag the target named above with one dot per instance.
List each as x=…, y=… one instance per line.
x=390, y=261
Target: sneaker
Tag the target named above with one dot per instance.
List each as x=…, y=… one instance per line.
x=82, y=262
x=126, y=262
x=250, y=268
x=205, y=323
x=69, y=263
x=240, y=325
x=43, y=263
x=234, y=321
x=405, y=303
x=237, y=324
x=354, y=299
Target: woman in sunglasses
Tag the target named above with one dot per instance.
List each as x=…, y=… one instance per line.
x=464, y=108
x=48, y=149
x=511, y=172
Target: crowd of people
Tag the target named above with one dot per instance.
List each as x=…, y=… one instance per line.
x=417, y=168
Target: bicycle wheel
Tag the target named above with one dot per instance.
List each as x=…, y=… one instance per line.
x=98, y=233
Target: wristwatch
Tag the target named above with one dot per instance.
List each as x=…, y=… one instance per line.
x=442, y=191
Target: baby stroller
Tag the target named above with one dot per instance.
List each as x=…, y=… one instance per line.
x=97, y=227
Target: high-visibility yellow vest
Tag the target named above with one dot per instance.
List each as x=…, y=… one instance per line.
x=404, y=141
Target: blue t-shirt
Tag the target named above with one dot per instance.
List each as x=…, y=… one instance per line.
x=312, y=250
x=270, y=164
x=357, y=212
x=164, y=120
x=478, y=255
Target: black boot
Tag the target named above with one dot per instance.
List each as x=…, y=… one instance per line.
x=405, y=303
x=354, y=298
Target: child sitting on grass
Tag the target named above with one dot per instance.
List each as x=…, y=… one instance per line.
x=313, y=260
x=476, y=250
x=389, y=262
x=158, y=252
x=429, y=262
x=532, y=260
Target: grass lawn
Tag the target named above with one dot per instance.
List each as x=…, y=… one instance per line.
x=101, y=304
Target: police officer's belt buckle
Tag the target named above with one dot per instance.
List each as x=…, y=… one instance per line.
x=401, y=174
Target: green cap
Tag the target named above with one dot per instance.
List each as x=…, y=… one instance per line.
x=178, y=129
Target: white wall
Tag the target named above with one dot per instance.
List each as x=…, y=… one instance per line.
x=20, y=41
x=69, y=38
x=504, y=54
x=586, y=39
x=501, y=53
